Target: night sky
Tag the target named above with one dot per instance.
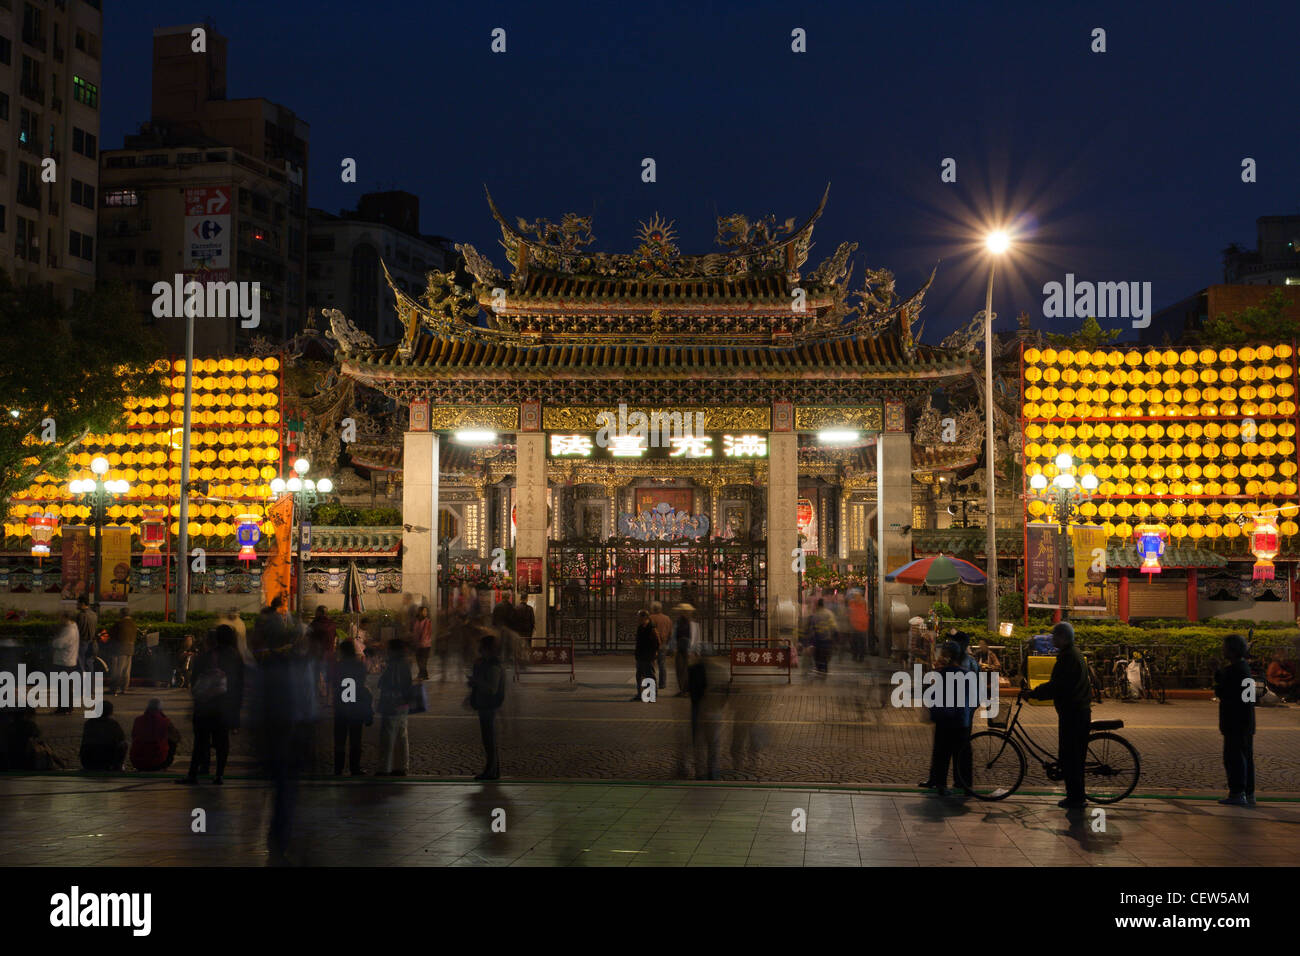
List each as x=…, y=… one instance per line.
x=1117, y=166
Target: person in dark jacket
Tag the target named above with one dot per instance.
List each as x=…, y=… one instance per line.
x=1070, y=690
x=154, y=739
x=323, y=634
x=1235, y=688
x=952, y=720
x=218, y=690
x=683, y=632
x=394, y=706
x=103, y=742
x=87, y=631
x=123, y=636
x=352, y=708
x=647, y=650
x=487, y=692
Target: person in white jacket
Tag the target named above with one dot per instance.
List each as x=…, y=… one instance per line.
x=65, y=646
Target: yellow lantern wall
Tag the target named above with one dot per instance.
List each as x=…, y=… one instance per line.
x=1204, y=439
x=225, y=442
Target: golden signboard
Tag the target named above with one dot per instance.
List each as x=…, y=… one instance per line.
x=815, y=418
x=584, y=418
x=504, y=418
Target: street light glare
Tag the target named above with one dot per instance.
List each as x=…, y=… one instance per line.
x=277, y=486
x=99, y=465
x=294, y=483
x=1090, y=482
x=1064, y=462
x=325, y=486
x=1065, y=480
x=301, y=466
x=1038, y=482
x=998, y=242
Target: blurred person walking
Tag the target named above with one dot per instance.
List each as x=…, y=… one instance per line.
x=154, y=739
x=65, y=647
x=686, y=632
x=524, y=623
x=1237, y=722
x=218, y=692
x=394, y=706
x=1070, y=690
x=353, y=709
x=708, y=697
x=422, y=637
x=87, y=631
x=952, y=723
x=487, y=692
x=664, y=633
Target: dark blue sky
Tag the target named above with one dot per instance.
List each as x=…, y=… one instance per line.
x=1121, y=166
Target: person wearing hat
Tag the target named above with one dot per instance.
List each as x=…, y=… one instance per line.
x=1070, y=690
x=684, y=634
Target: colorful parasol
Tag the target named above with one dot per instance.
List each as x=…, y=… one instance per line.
x=937, y=572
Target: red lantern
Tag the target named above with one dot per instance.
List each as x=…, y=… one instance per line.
x=1263, y=545
x=153, y=534
x=1150, y=540
x=248, y=534
x=42, y=526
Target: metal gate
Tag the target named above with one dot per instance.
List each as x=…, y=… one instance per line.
x=597, y=589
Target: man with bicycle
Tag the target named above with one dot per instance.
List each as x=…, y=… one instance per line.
x=1070, y=690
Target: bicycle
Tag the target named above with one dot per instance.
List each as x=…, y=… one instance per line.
x=997, y=758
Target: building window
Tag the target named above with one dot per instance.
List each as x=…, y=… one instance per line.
x=30, y=84
x=27, y=243
x=6, y=51
x=189, y=157
x=28, y=130
x=84, y=92
x=81, y=245
x=83, y=194
x=121, y=197
x=84, y=143
x=2, y=219
x=153, y=257
x=87, y=43
x=29, y=186
x=4, y=107
x=33, y=27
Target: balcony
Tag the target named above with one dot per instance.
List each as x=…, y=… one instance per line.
x=32, y=92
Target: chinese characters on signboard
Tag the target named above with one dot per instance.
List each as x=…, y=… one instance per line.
x=712, y=445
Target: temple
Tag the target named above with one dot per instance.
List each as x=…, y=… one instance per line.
x=629, y=427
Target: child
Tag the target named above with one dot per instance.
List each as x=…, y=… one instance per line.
x=1237, y=722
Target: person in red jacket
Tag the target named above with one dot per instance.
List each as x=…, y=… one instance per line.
x=154, y=739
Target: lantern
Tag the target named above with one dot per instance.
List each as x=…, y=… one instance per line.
x=248, y=534
x=1263, y=544
x=1150, y=540
x=42, y=525
x=153, y=534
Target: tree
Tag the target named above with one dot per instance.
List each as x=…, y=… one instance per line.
x=66, y=373
x=1090, y=335
x=1266, y=322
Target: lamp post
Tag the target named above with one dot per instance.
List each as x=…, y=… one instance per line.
x=99, y=494
x=1065, y=495
x=306, y=492
x=997, y=243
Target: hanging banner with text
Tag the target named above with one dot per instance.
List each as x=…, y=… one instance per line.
x=1042, y=568
x=1089, y=591
x=115, y=566
x=78, y=566
x=276, y=577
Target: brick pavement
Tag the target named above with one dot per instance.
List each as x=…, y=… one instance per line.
x=71, y=821
x=813, y=731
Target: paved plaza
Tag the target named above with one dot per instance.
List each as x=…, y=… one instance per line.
x=834, y=731
x=62, y=821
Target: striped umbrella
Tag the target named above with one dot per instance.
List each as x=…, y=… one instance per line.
x=937, y=572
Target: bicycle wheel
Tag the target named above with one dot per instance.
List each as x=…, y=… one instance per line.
x=1110, y=768
x=997, y=765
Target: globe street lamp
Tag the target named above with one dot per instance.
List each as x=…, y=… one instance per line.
x=306, y=493
x=1065, y=495
x=99, y=494
x=997, y=242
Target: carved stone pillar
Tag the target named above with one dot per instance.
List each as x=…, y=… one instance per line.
x=530, y=516
x=782, y=536
x=420, y=517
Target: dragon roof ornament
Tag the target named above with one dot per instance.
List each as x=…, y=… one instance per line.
x=753, y=247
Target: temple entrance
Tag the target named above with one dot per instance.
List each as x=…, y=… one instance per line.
x=597, y=589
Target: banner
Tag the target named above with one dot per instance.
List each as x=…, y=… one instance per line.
x=1042, y=568
x=1089, y=591
x=115, y=565
x=207, y=239
x=276, y=578
x=78, y=564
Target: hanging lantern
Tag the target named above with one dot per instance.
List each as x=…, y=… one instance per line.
x=1150, y=540
x=42, y=525
x=248, y=535
x=153, y=534
x=1263, y=544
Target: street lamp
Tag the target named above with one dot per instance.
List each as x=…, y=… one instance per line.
x=99, y=494
x=1065, y=494
x=306, y=493
x=997, y=242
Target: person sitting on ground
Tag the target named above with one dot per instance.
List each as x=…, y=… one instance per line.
x=154, y=739
x=103, y=744
x=987, y=659
x=27, y=750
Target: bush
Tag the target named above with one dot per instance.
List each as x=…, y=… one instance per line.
x=944, y=611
